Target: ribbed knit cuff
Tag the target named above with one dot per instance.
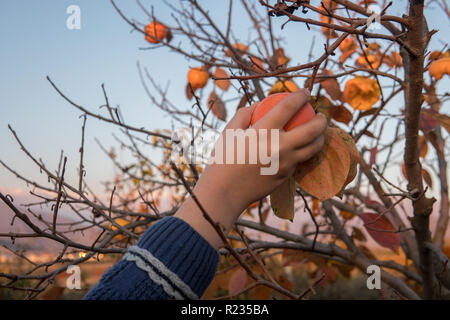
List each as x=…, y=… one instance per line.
x=178, y=255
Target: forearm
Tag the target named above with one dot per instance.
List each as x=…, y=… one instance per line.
x=171, y=260
x=218, y=204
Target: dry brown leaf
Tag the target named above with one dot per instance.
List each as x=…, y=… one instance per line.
x=217, y=106
x=331, y=86
x=189, y=93
x=222, y=84
x=381, y=230
x=357, y=234
x=341, y=114
x=282, y=199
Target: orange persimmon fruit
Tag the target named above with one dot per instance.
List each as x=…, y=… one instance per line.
x=303, y=115
x=155, y=32
x=197, y=77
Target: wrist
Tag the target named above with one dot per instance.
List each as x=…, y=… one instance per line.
x=218, y=204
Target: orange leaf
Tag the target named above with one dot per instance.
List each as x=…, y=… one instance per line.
x=393, y=60
x=347, y=215
x=381, y=230
x=283, y=86
x=329, y=33
x=354, y=155
x=324, y=175
x=222, y=84
x=347, y=45
x=371, y=61
x=362, y=93
x=280, y=58
x=440, y=67
x=435, y=55
x=346, y=55
x=404, y=171
x=257, y=64
x=315, y=207
x=423, y=146
x=239, y=47
x=217, y=106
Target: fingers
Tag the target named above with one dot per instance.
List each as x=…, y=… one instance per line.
x=284, y=110
x=242, y=117
x=308, y=132
x=308, y=151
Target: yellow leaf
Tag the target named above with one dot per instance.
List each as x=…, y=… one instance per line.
x=347, y=45
x=364, y=62
x=393, y=60
x=239, y=47
x=281, y=58
x=362, y=93
x=283, y=86
x=440, y=67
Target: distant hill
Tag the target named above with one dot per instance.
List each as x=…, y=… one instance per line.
x=36, y=244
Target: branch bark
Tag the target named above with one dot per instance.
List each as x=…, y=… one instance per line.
x=422, y=205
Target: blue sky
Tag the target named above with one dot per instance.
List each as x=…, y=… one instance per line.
x=36, y=43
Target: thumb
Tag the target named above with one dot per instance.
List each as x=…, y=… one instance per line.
x=242, y=118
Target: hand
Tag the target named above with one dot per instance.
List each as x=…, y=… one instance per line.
x=225, y=190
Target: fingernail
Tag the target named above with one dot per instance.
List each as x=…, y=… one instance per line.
x=306, y=91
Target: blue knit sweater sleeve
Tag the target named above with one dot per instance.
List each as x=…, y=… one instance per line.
x=170, y=261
